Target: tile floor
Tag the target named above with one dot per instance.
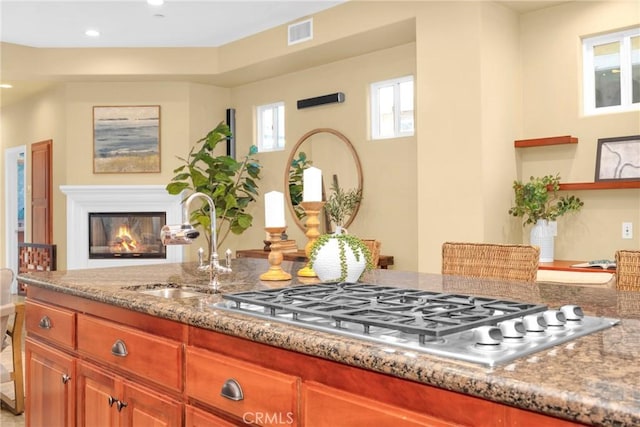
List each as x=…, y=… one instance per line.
x=7, y=419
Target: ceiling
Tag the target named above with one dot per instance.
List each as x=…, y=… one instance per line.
x=134, y=23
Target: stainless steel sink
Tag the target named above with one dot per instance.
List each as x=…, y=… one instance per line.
x=173, y=293
x=170, y=290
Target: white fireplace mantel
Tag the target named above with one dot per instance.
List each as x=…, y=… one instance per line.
x=85, y=199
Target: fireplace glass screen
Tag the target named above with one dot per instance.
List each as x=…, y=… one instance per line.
x=118, y=234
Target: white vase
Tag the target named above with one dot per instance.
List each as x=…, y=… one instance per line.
x=542, y=235
x=328, y=267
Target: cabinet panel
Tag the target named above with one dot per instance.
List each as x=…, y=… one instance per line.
x=150, y=357
x=50, y=387
x=97, y=394
x=52, y=323
x=147, y=408
x=269, y=397
x=195, y=417
x=324, y=406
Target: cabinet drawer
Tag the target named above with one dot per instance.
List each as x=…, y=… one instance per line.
x=51, y=323
x=150, y=357
x=268, y=397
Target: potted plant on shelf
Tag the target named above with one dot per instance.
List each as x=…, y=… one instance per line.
x=537, y=201
x=230, y=183
x=341, y=204
x=339, y=257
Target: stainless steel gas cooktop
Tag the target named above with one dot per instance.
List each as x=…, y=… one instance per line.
x=475, y=329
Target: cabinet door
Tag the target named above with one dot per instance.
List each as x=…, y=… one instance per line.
x=324, y=406
x=50, y=391
x=195, y=417
x=97, y=395
x=147, y=408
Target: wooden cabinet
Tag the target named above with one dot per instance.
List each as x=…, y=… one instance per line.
x=324, y=406
x=195, y=417
x=105, y=399
x=247, y=391
x=50, y=388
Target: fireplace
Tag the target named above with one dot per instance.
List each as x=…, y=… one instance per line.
x=126, y=234
x=126, y=202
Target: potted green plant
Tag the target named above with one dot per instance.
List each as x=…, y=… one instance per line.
x=341, y=204
x=538, y=202
x=230, y=183
x=339, y=257
x=296, y=170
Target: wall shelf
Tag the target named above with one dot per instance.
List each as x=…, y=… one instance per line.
x=601, y=185
x=540, y=142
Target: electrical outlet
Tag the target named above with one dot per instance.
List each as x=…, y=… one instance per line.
x=627, y=230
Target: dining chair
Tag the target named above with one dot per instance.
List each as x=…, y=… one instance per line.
x=374, y=248
x=507, y=262
x=11, y=338
x=628, y=270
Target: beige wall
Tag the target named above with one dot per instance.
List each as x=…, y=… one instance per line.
x=484, y=77
x=551, y=69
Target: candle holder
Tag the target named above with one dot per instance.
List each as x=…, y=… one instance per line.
x=275, y=271
x=312, y=210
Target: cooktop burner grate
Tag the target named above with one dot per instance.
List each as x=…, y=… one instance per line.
x=471, y=328
x=425, y=313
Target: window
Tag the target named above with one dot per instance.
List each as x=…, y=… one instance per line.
x=392, y=108
x=612, y=72
x=270, y=127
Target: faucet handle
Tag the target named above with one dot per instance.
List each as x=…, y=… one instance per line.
x=200, y=258
x=227, y=258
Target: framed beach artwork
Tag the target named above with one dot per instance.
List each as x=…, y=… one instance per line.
x=126, y=139
x=618, y=159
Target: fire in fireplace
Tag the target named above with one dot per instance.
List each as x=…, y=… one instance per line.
x=126, y=235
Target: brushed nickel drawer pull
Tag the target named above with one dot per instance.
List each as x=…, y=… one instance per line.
x=119, y=349
x=112, y=400
x=231, y=390
x=65, y=378
x=45, y=323
x=120, y=404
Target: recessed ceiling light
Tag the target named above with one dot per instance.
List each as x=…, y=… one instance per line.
x=155, y=2
x=92, y=33
x=5, y=86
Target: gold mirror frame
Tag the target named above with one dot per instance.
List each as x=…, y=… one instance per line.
x=292, y=155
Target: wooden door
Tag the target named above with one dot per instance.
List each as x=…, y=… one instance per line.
x=50, y=390
x=145, y=408
x=41, y=192
x=97, y=394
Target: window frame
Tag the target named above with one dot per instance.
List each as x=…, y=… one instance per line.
x=375, y=107
x=277, y=132
x=626, y=75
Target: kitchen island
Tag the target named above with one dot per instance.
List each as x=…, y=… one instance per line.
x=592, y=380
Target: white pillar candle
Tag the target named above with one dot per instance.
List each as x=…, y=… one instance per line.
x=312, y=185
x=274, y=209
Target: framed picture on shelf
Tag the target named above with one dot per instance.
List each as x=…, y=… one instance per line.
x=126, y=139
x=618, y=159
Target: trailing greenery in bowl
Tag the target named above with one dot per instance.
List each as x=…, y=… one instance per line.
x=356, y=245
x=231, y=184
x=538, y=199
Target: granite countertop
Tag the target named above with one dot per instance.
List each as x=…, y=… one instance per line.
x=592, y=380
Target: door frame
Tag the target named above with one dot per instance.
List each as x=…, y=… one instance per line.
x=11, y=156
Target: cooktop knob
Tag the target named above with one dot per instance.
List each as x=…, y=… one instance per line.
x=487, y=335
x=534, y=323
x=554, y=318
x=512, y=328
x=572, y=313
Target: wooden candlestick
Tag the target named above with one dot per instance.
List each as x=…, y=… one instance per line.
x=275, y=271
x=312, y=210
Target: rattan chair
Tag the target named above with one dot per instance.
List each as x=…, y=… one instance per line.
x=11, y=339
x=374, y=248
x=490, y=260
x=628, y=270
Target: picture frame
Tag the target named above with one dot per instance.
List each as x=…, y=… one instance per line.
x=126, y=139
x=618, y=159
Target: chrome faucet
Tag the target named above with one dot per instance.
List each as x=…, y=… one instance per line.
x=184, y=234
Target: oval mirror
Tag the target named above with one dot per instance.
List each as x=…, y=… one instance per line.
x=332, y=153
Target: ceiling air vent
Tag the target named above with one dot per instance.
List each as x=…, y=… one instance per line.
x=301, y=31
